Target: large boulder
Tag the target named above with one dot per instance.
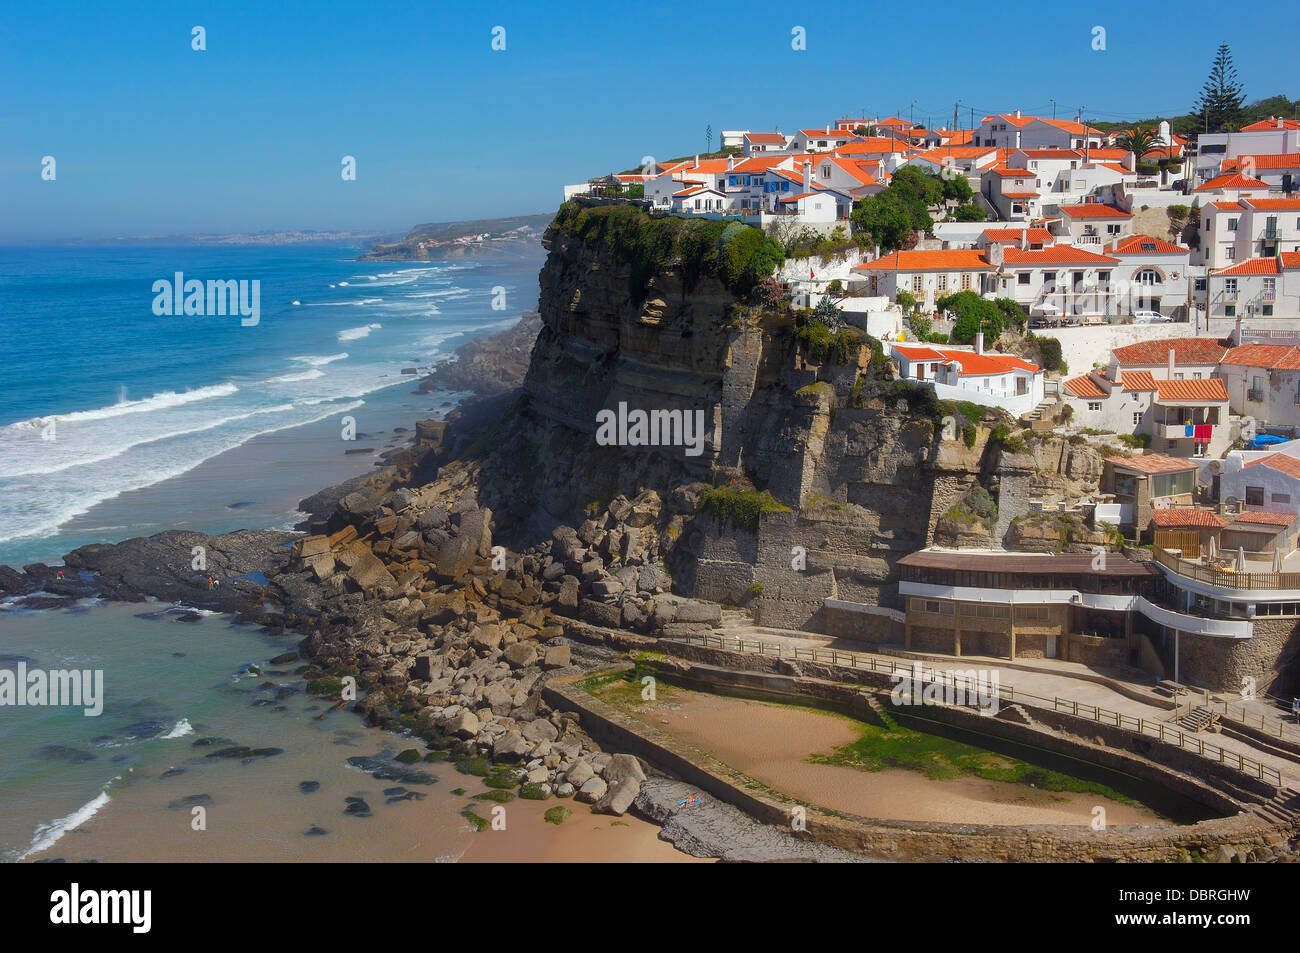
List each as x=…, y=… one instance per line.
x=521, y=654
x=540, y=730
x=463, y=724
x=510, y=747
x=592, y=791
x=367, y=571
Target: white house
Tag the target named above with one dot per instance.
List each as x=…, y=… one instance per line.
x=1281, y=171
x=1268, y=136
x=756, y=143
x=1183, y=418
x=1256, y=287
x=1014, y=131
x=1153, y=274
x=1013, y=192
x=927, y=275
x=1263, y=382
x=1233, y=231
x=821, y=140
x=1093, y=224
x=999, y=380
x=1056, y=280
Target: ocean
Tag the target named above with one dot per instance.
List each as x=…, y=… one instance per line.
x=200, y=422
x=105, y=406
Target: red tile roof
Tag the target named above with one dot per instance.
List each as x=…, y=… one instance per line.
x=953, y=259
x=1137, y=380
x=1152, y=463
x=1281, y=462
x=1273, y=160
x=1260, y=355
x=1210, y=388
x=1138, y=245
x=1034, y=235
x=766, y=137
x=1007, y=172
x=1268, y=519
x=1187, y=516
x=1251, y=266
x=1055, y=255
x=1266, y=124
x=1083, y=386
x=1094, y=210
x=1186, y=351
x=969, y=362
x=1272, y=205
x=1234, y=180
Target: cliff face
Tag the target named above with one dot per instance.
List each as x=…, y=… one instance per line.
x=862, y=470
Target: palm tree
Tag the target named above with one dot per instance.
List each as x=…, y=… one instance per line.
x=1140, y=142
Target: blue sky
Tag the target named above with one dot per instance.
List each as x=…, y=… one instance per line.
x=151, y=137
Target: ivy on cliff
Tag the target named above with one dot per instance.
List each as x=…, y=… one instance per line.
x=740, y=256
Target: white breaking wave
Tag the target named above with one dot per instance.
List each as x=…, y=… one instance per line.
x=352, y=334
x=180, y=729
x=310, y=375
x=47, y=835
x=320, y=361
x=160, y=401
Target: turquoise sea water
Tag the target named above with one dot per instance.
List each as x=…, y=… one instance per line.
x=101, y=398
x=199, y=422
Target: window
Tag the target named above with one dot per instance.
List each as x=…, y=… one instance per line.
x=1148, y=276
x=1229, y=310
x=1254, y=496
x=965, y=282
x=1112, y=229
x=1137, y=418
x=1232, y=224
x=1230, y=287
x=1094, y=405
x=1268, y=311
x=1199, y=284
x=1230, y=253
x=1281, y=498
x=1022, y=277
x=917, y=283
x=1103, y=277
x=942, y=282
x=1179, y=376
x=1173, y=484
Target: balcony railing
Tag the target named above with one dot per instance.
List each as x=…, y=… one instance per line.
x=1224, y=578
x=1255, y=395
x=1179, y=431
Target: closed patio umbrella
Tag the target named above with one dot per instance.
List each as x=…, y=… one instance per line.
x=1277, y=559
x=1213, y=550
x=1241, y=559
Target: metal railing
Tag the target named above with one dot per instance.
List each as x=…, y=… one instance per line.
x=1227, y=579
x=1156, y=729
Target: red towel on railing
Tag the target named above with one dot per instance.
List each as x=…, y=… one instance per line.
x=1202, y=433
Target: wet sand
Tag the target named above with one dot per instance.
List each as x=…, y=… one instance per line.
x=583, y=837
x=772, y=743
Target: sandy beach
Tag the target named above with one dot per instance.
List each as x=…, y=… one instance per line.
x=772, y=743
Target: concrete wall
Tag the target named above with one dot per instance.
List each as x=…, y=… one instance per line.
x=1085, y=346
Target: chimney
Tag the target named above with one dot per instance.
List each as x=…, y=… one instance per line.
x=1024, y=239
x=979, y=342
x=697, y=160
x=1170, y=374
x=1280, y=124
x=1017, y=113
x=995, y=254
x=731, y=163
x=828, y=128
x=1236, y=332
x=807, y=175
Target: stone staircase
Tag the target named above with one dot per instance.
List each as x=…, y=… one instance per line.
x=1041, y=412
x=1281, y=810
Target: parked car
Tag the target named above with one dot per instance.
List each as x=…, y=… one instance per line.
x=1150, y=317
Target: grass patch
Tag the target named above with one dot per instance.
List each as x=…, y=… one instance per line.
x=409, y=756
x=740, y=508
x=941, y=758
x=480, y=823
x=502, y=778
x=533, y=792
x=500, y=797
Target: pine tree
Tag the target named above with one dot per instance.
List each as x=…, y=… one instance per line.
x=1222, y=96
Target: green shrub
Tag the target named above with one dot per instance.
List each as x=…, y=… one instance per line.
x=1004, y=438
x=740, y=256
x=739, y=507
x=1049, y=349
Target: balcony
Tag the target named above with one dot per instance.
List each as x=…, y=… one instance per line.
x=1179, y=431
x=1255, y=395
x=1229, y=578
